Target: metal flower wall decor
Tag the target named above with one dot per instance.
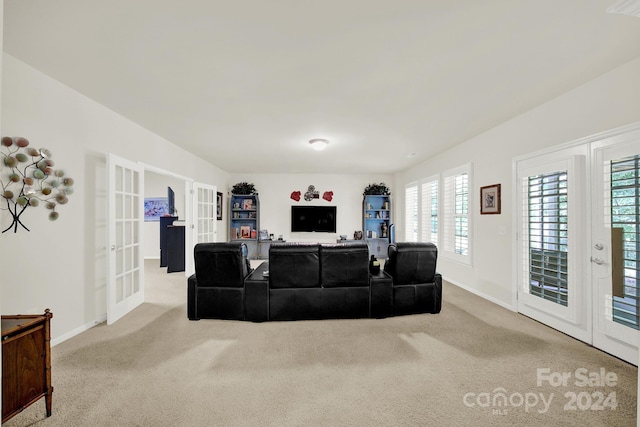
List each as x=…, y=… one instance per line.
x=28, y=178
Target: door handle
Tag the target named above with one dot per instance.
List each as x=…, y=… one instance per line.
x=598, y=246
x=597, y=260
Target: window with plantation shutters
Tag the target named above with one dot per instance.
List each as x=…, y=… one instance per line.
x=548, y=236
x=411, y=212
x=456, y=215
x=429, y=211
x=625, y=233
x=421, y=208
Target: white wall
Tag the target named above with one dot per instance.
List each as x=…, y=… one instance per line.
x=610, y=101
x=275, y=201
x=61, y=265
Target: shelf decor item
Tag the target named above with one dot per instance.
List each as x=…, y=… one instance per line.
x=219, y=206
x=243, y=188
x=247, y=204
x=28, y=178
x=377, y=190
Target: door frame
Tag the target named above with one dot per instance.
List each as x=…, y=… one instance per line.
x=188, y=211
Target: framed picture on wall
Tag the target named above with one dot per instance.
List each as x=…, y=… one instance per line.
x=219, y=207
x=490, y=199
x=155, y=207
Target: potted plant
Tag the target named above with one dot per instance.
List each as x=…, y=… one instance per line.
x=377, y=189
x=243, y=188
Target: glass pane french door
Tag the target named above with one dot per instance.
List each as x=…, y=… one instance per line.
x=615, y=251
x=202, y=214
x=579, y=240
x=206, y=212
x=125, y=284
x=551, y=240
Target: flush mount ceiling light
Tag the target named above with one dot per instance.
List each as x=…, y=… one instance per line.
x=626, y=7
x=319, y=144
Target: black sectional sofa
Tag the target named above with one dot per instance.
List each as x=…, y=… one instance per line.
x=312, y=281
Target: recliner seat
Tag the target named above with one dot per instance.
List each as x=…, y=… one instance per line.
x=417, y=287
x=216, y=290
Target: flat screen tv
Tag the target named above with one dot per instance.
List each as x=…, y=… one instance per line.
x=320, y=219
x=171, y=196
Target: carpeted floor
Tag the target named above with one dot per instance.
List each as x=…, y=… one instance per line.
x=474, y=364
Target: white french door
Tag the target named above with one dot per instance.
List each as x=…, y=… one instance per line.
x=204, y=216
x=204, y=207
x=125, y=282
x=551, y=256
x=578, y=240
x=615, y=245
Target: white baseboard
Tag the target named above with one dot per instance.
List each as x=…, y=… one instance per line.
x=481, y=295
x=77, y=331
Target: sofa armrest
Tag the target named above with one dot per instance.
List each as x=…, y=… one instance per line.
x=437, y=306
x=192, y=284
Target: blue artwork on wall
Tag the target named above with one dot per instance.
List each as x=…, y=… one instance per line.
x=155, y=207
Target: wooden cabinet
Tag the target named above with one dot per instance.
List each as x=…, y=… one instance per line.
x=244, y=221
x=175, y=248
x=165, y=221
x=376, y=223
x=26, y=362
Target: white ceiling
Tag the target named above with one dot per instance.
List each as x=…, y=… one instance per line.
x=246, y=84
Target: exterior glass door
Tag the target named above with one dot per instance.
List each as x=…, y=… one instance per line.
x=615, y=251
x=551, y=240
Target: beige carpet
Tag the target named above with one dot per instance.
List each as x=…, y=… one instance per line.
x=156, y=368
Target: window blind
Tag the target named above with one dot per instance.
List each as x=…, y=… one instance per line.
x=455, y=217
x=625, y=221
x=548, y=236
x=429, y=212
x=411, y=212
